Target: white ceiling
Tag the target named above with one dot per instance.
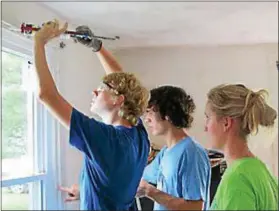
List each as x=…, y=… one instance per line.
x=142, y=24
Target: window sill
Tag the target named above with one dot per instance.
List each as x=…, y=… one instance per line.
x=22, y=180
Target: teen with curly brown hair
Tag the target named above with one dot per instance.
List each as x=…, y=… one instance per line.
x=181, y=170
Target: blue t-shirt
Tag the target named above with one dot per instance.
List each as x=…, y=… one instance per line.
x=114, y=161
x=182, y=171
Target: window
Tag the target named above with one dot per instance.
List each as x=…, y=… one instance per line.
x=29, y=144
x=17, y=129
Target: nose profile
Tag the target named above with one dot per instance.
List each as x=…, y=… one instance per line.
x=95, y=93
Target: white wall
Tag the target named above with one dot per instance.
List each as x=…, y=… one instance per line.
x=197, y=69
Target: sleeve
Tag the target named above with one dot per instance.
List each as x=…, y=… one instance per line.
x=195, y=173
x=92, y=137
x=150, y=173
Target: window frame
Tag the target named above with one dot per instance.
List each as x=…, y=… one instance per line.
x=47, y=136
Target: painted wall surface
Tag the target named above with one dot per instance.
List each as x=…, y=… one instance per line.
x=197, y=69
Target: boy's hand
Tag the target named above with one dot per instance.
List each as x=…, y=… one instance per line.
x=73, y=192
x=94, y=43
x=49, y=31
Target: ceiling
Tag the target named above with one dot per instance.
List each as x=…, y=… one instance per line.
x=145, y=24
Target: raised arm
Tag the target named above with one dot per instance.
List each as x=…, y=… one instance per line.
x=107, y=60
x=48, y=92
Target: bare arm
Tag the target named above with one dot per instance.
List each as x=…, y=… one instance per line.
x=173, y=203
x=48, y=92
x=108, y=61
x=166, y=200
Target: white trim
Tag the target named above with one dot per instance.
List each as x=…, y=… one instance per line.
x=14, y=51
x=46, y=147
x=50, y=184
x=17, y=42
x=39, y=154
x=35, y=196
x=22, y=180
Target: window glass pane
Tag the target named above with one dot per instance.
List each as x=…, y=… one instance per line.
x=19, y=197
x=17, y=117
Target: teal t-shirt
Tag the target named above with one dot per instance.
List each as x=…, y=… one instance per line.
x=247, y=185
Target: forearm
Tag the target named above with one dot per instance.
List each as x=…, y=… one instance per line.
x=108, y=61
x=45, y=80
x=173, y=203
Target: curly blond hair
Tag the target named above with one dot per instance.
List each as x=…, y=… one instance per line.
x=136, y=96
x=237, y=101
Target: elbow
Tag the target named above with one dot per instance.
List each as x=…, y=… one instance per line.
x=46, y=95
x=113, y=69
x=119, y=69
x=116, y=70
x=43, y=96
